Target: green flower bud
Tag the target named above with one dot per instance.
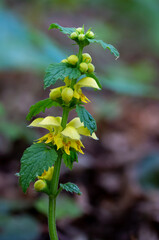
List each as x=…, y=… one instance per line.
x=90, y=34
x=55, y=93
x=83, y=67
x=86, y=58
x=67, y=94
x=64, y=61
x=73, y=59
x=91, y=68
x=40, y=185
x=79, y=30
x=74, y=35
x=81, y=37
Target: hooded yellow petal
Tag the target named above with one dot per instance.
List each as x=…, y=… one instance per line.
x=75, y=122
x=70, y=132
x=77, y=145
x=87, y=82
x=85, y=131
x=51, y=121
x=36, y=122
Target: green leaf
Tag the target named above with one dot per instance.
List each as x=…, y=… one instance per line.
x=95, y=78
x=64, y=30
x=41, y=107
x=37, y=158
x=86, y=118
x=57, y=71
x=70, y=187
x=112, y=49
x=70, y=159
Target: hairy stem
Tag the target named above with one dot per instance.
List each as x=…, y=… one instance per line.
x=54, y=187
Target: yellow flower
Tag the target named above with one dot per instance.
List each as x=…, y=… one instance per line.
x=47, y=175
x=67, y=138
x=84, y=82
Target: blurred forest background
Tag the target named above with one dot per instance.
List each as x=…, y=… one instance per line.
x=119, y=174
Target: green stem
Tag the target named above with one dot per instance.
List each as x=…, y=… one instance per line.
x=80, y=55
x=54, y=186
x=65, y=117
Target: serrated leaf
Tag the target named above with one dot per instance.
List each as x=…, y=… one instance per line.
x=71, y=187
x=86, y=118
x=37, y=158
x=70, y=159
x=64, y=30
x=95, y=78
x=57, y=71
x=41, y=107
x=112, y=49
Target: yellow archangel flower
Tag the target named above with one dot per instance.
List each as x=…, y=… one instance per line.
x=84, y=82
x=67, y=138
x=47, y=175
x=67, y=93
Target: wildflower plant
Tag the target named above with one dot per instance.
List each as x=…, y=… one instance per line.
x=41, y=162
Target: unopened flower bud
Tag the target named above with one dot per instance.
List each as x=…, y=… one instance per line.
x=86, y=58
x=90, y=34
x=79, y=30
x=83, y=67
x=81, y=37
x=74, y=35
x=55, y=93
x=67, y=94
x=91, y=68
x=73, y=59
x=64, y=61
x=40, y=185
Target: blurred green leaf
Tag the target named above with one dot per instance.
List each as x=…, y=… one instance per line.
x=64, y=30
x=148, y=171
x=66, y=207
x=23, y=47
x=16, y=228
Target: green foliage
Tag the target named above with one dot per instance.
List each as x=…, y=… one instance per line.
x=70, y=159
x=57, y=71
x=95, y=78
x=41, y=107
x=71, y=187
x=29, y=49
x=86, y=118
x=148, y=171
x=112, y=49
x=16, y=227
x=64, y=30
x=37, y=158
x=66, y=207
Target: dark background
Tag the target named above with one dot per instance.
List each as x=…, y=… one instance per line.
x=119, y=174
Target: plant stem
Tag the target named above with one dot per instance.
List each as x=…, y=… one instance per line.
x=80, y=55
x=54, y=186
x=65, y=117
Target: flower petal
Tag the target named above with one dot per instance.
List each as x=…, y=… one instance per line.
x=71, y=132
x=75, y=122
x=37, y=123
x=85, y=131
x=87, y=82
x=51, y=122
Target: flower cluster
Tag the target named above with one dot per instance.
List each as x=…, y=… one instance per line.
x=81, y=35
x=68, y=93
x=67, y=138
